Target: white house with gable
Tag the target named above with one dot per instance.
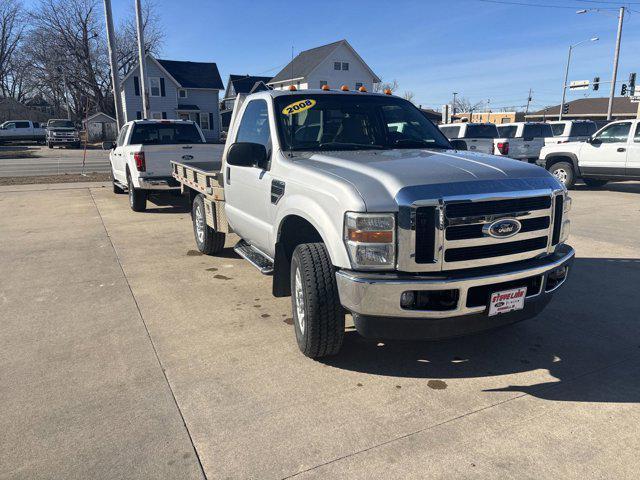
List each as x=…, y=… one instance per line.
x=335, y=64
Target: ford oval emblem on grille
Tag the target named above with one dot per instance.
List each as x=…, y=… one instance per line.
x=506, y=227
x=187, y=157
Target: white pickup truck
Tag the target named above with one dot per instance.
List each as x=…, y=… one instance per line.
x=612, y=153
x=571, y=131
x=525, y=139
x=350, y=213
x=477, y=137
x=21, y=131
x=140, y=158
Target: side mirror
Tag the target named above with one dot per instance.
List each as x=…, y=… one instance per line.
x=245, y=154
x=108, y=145
x=458, y=144
x=594, y=141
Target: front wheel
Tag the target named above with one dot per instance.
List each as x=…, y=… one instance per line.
x=563, y=171
x=594, y=183
x=317, y=312
x=137, y=197
x=208, y=240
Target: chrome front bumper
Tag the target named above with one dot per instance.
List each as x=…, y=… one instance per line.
x=158, y=183
x=376, y=294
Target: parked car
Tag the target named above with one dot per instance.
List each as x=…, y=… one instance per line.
x=478, y=137
x=349, y=213
x=21, y=131
x=140, y=158
x=525, y=139
x=62, y=132
x=612, y=153
x=571, y=131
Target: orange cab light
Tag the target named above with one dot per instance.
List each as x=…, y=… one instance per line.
x=325, y=87
x=344, y=88
x=362, y=89
x=388, y=91
x=384, y=236
x=292, y=88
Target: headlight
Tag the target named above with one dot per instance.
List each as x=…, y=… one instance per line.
x=566, y=223
x=371, y=240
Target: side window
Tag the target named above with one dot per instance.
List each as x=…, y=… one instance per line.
x=531, y=131
x=558, y=129
x=122, y=136
x=636, y=137
x=254, y=126
x=616, y=133
x=507, y=131
x=22, y=124
x=10, y=126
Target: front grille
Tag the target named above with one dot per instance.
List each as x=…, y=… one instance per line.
x=425, y=234
x=465, y=232
x=494, y=250
x=497, y=207
x=557, y=219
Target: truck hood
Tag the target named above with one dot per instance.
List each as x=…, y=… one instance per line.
x=380, y=176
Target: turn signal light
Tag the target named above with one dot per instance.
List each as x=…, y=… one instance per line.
x=325, y=87
x=139, y=159
x=344, y=88
x=364, y=236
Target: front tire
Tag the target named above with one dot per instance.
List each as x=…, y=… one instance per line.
x=137, y=197
x=317, y=312
x=208, y=240
x=563, y=171
x=594, y=182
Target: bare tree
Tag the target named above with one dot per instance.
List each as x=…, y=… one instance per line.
x=127, y=39
x=463, y=104
x=12, y=27
x=408, y=95
x=382, y=86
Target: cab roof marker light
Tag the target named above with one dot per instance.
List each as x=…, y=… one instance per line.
x=388, y=91
x=325, y=87
x=363, y=89
x=292, y=88
x=344, y=88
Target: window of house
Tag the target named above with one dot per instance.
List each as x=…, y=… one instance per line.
x=182, y=93
x=323, y=83
x=358, y=85
x=204, y=121
x=336, y=65
x=156, y=115
x=345, y=66
x=154, y=86
x=254, y=127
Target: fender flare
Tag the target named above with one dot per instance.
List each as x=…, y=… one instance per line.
x=549, y=160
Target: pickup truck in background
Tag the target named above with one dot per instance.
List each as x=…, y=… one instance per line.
x=351, y=212
x=478, y=137
x=62, y=132
x=21, y=131
x=571, y=131
x=611, y=154
x=525, y=139
x=140, y=158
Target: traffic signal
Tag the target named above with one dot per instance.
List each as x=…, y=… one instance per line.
x=623, y=90
x=565, y=109
x=596, y=83
x=632, y=83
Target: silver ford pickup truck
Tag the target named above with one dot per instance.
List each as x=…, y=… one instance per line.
x=351, y=214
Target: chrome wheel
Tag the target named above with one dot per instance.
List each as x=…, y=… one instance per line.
x=200, y=224
x=561, y=174
x=299, y=295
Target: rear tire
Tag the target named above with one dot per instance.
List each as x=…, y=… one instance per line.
x=208, y=240
x=317, y=313
x=137, y=197
x=563, y=171
x=594, y=182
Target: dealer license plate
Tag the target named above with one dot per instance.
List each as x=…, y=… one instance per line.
x=507, y=301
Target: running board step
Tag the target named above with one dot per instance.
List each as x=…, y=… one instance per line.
x=254, y=257
x=123, y=186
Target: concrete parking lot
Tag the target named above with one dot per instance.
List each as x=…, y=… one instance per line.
x=124, y=353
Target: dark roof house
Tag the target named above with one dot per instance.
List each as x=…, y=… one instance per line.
x=588, y=108
x=242, y=84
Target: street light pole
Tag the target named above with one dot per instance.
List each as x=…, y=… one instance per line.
x=566, y=72
x=142, y=61
x=115, y=78
x=616, y=57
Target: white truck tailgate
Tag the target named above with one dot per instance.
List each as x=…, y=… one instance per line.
x=158, y=157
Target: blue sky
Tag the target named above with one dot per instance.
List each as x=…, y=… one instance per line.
x=481, y=50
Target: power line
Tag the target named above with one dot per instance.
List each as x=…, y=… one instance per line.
x=542, y=5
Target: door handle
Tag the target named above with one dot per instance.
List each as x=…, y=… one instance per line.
x=621, y=149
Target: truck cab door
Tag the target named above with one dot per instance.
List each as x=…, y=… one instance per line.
x=606, y=152
x=633, y=154
x=118, y=156
x=247, y=187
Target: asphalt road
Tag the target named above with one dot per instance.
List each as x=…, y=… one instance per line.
x=124, y=353
x=54, y=161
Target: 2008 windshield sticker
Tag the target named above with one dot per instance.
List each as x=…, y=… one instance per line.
x=299, y=106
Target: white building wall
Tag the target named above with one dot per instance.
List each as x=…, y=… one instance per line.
x=357, y=72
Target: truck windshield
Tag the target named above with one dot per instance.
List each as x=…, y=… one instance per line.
x=353, y=122
x=482, y=131
x=165, y=134
x=60, y=124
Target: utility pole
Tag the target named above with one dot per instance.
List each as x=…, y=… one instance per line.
x=142, y=61
x=115, y=79
x=616, y=57
x=526, y=111
x=453, y=107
